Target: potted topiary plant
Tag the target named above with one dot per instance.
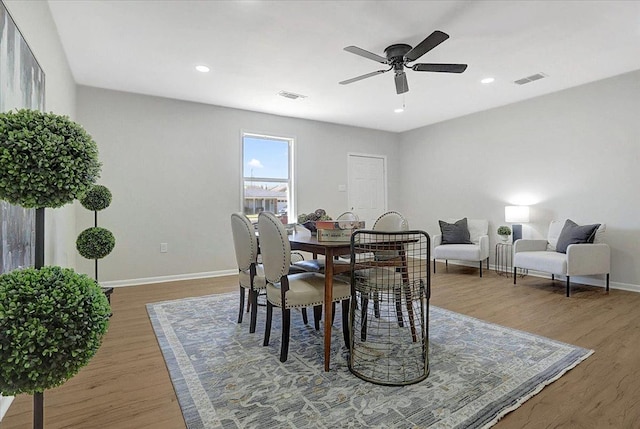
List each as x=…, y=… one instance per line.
x=46, y=160
x=96, y=243
x=504, y=232
x=52, y=321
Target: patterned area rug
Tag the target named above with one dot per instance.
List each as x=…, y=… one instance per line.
x=225, y=378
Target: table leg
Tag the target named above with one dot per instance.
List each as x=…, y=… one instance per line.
x=328, y=308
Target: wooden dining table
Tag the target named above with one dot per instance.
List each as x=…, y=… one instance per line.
x=330, y=250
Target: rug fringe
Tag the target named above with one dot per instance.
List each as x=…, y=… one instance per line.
x=535, y=391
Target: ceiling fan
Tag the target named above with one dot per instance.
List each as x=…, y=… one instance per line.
x=400, y=55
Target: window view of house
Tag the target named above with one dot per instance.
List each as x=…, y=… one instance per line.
x=266, y=169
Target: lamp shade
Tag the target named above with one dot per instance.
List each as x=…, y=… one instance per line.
x=516, y=214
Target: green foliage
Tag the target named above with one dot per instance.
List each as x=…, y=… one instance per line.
x=504, y=230
x=97, y=198
x=318, y=214
x=95, y=242
x=46, y=160
x=52, y=321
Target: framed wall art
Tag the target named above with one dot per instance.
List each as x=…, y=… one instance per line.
x=21, y=86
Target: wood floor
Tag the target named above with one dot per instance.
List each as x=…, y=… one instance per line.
x=127, y=385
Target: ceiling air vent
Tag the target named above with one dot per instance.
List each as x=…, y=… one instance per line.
x=291, y=95
x=531, y=78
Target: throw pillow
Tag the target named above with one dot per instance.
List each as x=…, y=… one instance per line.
x=455, y=233
x=572, y=233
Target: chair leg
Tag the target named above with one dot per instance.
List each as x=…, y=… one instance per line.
x=434, y=265
x=568, y=287
x=304, y=315
x=399, y=316
x=553, y=277
x=480, y=269
x=317, y=315
x=487, y=263
x=363, y=316
x=253, y=301
x=515, y=271
x=376, y=305
x=241, y=304
x=446, y=264
x=346, y=303
x=607, y=282
x=267, y=325
x=412, y=323
x=286, y=325
x=333, y=312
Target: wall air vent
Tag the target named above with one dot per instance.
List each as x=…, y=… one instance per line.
x=531, y=78
x=291, y=95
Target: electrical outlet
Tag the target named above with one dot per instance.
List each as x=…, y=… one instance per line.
x=164, y=248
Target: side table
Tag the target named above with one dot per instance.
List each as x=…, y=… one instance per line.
x=504, y=260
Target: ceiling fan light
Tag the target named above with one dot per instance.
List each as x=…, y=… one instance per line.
x=202, y=68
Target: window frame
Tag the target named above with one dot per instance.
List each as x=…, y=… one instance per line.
x=290, y=181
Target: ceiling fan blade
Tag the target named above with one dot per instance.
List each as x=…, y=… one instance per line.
x=364, y=76
x=366, y=54
x=401, y=83
x=441, y=68
x=433, y=40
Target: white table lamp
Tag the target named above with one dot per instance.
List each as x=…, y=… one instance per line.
x=515, y=215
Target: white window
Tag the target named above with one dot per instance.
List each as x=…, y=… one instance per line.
x=267, y=171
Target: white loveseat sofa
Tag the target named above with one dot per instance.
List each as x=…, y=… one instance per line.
x=477, y=251
x=579, y=260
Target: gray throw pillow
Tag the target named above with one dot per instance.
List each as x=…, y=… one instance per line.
x=455, y=233
x=572, y=233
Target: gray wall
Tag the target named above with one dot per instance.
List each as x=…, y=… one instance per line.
x=572, y=154
x=174, y=167
x=174, y=170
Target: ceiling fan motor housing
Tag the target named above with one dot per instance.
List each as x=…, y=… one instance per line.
x=395, y=53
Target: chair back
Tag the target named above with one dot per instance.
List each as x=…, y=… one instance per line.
x=555, y=228
x=245, y=241
x=391, y=221
x=274, y=246
x=348, y=216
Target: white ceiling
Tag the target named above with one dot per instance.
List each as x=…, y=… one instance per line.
x=258, y=48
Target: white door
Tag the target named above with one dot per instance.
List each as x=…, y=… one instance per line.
x=367, y=196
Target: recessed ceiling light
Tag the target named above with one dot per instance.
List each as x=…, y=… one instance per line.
x=203, y=69
x=399, y=110
x=487, y=80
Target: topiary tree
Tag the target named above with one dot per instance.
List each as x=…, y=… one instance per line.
x=95, y=242
x=52, y=322
x=97, y=198
x=46, y=160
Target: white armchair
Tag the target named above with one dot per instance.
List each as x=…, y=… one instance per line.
x=478, y=250
x=580, y=260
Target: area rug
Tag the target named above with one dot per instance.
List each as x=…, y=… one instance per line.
x=225, y=378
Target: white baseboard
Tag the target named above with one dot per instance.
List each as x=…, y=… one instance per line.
x=164, y=279
x=5, y=401
x=591, y=281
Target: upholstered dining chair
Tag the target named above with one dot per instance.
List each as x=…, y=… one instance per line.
x=291, y=291
x=250, y=272
x=317, y=265
x=391, y=221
